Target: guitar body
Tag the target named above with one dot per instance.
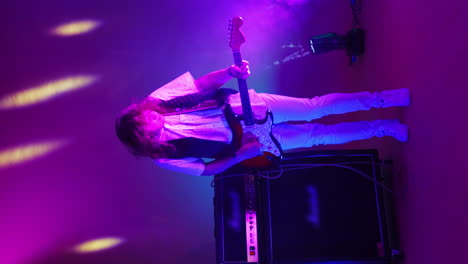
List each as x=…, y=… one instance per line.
x=270, y=147
x=271, y=152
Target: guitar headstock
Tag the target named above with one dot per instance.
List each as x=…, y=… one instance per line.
x=236, y=37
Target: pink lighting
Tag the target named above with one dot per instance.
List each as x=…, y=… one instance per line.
x=292, y=2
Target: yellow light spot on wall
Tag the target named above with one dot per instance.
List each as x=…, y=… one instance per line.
x=28, y=152
x=75, y=28
x=98, y=244
x=46, y=91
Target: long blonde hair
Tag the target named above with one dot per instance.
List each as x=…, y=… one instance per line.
x=130, y=133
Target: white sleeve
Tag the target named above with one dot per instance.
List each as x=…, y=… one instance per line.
x=192, y=166
x=182, y=85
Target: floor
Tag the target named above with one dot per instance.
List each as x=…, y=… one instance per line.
x=420, y=45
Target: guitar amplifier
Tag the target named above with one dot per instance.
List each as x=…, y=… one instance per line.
x=318, y=207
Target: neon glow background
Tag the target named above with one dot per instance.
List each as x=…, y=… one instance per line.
x=91, y=187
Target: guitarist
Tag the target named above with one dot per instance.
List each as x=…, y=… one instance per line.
x=149, y=129
x=182, y=126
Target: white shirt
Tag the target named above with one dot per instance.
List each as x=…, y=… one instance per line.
x=205, y=124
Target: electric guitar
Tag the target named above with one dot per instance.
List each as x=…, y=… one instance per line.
x=271, y=152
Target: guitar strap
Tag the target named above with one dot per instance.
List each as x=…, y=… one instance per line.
x=200, y=148
x=234, y=125
x=197, y=101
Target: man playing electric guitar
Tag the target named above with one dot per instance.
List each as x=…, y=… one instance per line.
x=183, y=125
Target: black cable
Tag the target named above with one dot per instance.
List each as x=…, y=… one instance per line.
x=356, y=7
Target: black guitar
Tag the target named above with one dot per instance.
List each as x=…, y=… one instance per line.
x=270, y=148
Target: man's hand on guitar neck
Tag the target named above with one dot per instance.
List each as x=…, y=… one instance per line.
x=242, y=71
x=216, y=79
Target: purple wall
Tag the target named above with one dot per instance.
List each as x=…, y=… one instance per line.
x=94, y=188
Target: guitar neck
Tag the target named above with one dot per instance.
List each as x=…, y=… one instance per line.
x=244, y=92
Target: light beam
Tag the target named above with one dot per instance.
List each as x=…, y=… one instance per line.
x=75, y=28
x=28, y=152
x=46, y=91
x=98, y=244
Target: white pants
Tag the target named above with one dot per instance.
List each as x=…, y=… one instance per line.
x=292, y=136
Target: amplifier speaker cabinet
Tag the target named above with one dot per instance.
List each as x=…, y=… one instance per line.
x=317, y=207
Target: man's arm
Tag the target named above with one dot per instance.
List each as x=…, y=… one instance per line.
x=216, y=79
x=219, y=165
x=250, y=149
x=196, y=166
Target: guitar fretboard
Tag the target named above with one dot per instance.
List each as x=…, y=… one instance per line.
x=244, y=93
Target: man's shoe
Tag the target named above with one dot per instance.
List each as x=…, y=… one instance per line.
x=388, y=98
x=392, y=128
